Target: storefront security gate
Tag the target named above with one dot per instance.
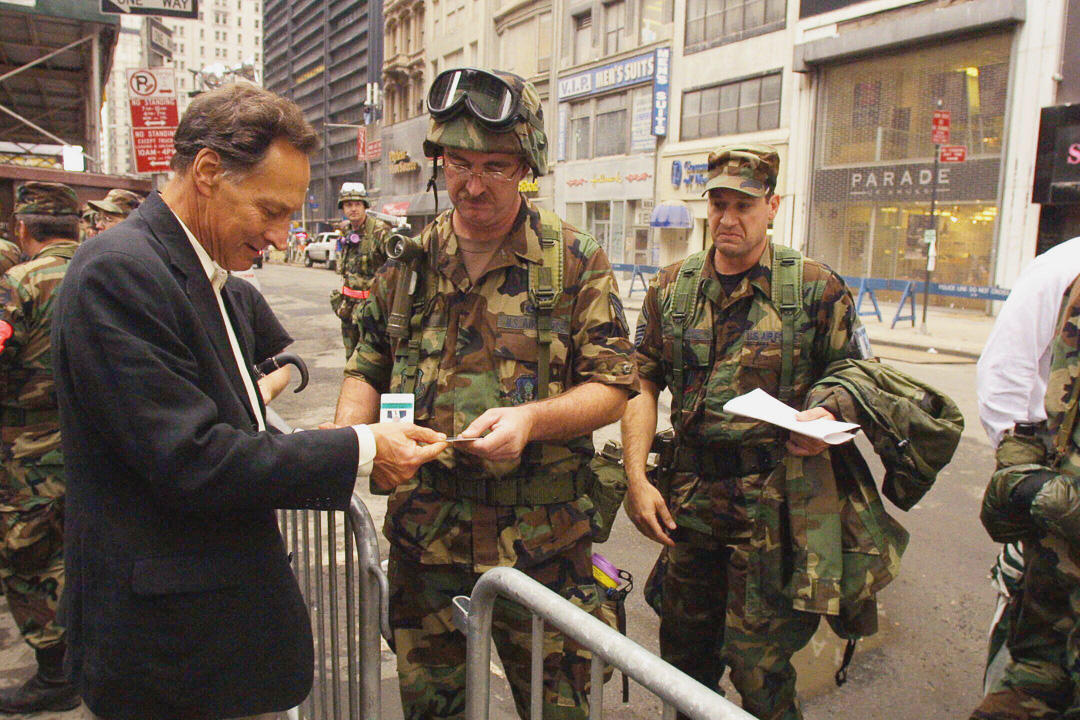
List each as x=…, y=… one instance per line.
x=348, y=653
x=473, y=615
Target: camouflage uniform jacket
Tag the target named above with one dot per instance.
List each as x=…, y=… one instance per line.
x=30, y=436
x=10, y=255
x=732, y=345
x=478, y=351
x=358, y=261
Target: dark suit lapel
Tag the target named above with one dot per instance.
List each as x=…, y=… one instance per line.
x=186, y=266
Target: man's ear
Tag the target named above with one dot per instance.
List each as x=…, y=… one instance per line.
x=206, y=171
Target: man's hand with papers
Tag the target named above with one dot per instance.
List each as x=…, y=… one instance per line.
x=812, y=430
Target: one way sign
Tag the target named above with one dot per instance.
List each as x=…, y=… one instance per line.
x=167, y=8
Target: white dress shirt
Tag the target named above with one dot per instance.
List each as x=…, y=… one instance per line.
x=217, y=276
x=1014, y=367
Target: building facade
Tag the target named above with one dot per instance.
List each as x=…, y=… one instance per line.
x=614, y=74
x=323, y=54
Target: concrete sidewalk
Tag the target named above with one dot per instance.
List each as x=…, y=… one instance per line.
x=17, y=664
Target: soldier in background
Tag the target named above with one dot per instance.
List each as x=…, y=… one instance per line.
x=114, y=208
x=361, y=251
x=46, y=224
x=10, y=255
x=88, y=221
x=708, y=516
x=517, y=496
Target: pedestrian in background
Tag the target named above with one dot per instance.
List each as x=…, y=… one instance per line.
x=114, y=208
x=32, y=493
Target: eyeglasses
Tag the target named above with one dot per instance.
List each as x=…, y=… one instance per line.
x=488, y=177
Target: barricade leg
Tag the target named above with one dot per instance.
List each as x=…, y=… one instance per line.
x=864, y=289
x=908, y=294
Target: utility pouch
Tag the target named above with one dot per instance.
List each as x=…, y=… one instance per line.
x=342, y=306
x=1022, y=447
x=663, y=472
x=608, y=489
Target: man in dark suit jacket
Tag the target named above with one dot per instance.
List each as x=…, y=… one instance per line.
x=180, y=601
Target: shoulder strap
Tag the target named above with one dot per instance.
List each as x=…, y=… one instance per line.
x=545, y=287
x=687, y=288
x=421, y=287
x=787, y=296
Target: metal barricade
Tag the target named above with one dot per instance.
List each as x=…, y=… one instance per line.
x=676, y=689
x=348, y=654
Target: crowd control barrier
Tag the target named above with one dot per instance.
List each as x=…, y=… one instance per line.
x=335, y=557
x=676, y=689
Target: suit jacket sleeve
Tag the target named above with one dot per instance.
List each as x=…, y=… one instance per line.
x=137, y=382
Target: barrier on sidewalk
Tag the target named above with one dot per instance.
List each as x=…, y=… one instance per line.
x=638, y=272
x=348, y=654
x=677, y=690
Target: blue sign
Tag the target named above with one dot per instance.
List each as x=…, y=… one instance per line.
x=632, y=71
x=676, y=173
x=688, y=173
x=661, y=88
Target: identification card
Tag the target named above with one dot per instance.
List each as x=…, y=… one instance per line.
x=396, y=407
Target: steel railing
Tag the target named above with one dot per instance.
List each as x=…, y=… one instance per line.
x=676, y=689
x=335, y=556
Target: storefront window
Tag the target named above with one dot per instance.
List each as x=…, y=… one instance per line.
x=611, y=133
x=874, y=174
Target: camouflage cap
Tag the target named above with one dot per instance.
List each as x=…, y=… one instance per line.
x=117, y=202
x=465, y=133
x=750, y=169
x=45, y=198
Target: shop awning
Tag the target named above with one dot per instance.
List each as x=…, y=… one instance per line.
x=672, y=214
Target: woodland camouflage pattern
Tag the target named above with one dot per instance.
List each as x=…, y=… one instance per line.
x=10, y=255
x=732, y=345
x=750, y=169
x=1043, y=679
x=45, y=198
x=357, y=264
x=479, y=350
x=32, y=497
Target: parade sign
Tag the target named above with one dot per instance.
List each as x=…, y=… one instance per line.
x=154, y=117
x=188, y=9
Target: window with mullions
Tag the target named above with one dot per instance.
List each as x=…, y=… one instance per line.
x=736, y=107
x=712, y=22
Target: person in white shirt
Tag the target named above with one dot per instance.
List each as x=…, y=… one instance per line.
x=1011, y=381
x=180, y=600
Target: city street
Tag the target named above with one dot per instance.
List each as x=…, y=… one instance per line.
x=933, y=618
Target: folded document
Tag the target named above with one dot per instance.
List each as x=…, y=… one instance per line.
x=760, y=405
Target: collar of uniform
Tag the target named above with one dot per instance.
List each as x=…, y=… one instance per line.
x=759, y=276
x=522, y=242
x=214, y=272
x=64, y=248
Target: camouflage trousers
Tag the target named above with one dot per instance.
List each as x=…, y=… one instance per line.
x=431, y=651
x=32, y=568
x=350, y=335
x=1042, y=680
x=700, y=588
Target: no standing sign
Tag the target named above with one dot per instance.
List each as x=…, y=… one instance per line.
x=154, y=117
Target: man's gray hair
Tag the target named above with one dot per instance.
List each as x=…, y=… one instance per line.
x=239, y=122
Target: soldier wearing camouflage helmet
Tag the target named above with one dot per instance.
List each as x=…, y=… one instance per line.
x=515, y=335
x=712, y=328
x=46, y=224
x=114, y=208
x=361, y=251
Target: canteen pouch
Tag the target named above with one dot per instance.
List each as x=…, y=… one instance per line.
x=342, y=306
x=608, y=489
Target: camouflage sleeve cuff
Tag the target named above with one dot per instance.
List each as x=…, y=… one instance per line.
x=612, y=370
x=374, y=375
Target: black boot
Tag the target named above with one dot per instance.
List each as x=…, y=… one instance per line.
x=48, y=689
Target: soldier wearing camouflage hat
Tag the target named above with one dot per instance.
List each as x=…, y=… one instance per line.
x=361, y=251
x=88, y=221
x=46, y=224
x=114, y=208
x=719, y=324
x=515, y=339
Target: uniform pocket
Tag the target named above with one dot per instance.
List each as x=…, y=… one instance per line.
x=517, y=359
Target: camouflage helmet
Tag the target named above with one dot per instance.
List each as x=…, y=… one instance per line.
x=353, y=191
x=117, y=202
x=465, y=133
x=750, y=169
x=45, y=198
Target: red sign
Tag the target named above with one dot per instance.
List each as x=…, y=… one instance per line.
x=399, y=208
x=361, y=143
x=154, y=117
x=374, y=150
x=941, y=124
x=953, y=153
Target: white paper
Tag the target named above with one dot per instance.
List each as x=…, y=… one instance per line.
x=760, y=405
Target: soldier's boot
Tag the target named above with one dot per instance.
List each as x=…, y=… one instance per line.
x=48, y=689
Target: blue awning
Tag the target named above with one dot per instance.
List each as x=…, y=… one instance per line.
x=672, y=214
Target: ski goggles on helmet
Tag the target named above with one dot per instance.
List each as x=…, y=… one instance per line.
x=491, y=100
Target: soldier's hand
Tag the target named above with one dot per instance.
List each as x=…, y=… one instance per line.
x=510, y=430
x=646, y=508
x=804, y=445
x=400, y=450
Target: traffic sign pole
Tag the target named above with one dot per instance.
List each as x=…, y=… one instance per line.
x=931, y=248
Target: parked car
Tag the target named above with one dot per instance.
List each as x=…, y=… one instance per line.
x=323, y=249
